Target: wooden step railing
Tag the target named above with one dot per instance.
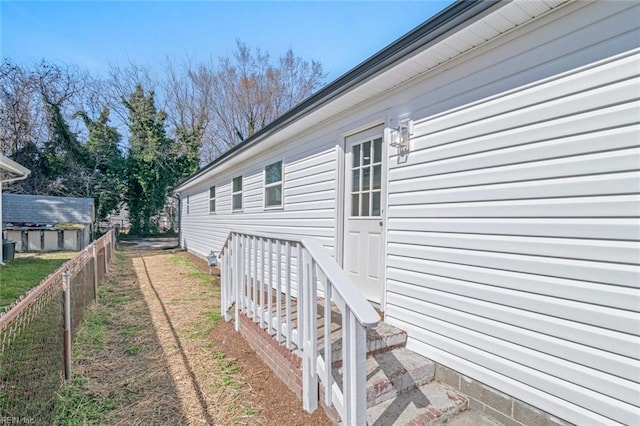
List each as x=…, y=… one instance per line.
x=266, y=277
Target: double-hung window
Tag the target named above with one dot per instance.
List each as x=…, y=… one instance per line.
x=212, y=199
x=236, y=194
x=273, y=185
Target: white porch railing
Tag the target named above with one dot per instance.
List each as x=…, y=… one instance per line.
x=270, y=279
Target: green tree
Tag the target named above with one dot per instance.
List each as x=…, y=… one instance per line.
x=105, y=163
x=153, y=165
x=64, y=158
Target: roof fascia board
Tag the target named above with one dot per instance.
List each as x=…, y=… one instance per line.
x=452, y=17
x=14, y=168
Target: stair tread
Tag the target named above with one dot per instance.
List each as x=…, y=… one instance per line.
x=379, y=338
x=427, y=405
x=394, y=372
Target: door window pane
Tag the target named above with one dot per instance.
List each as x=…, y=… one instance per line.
x=365, y=204
x=375, y=204
x=366, y=176
x=366, y=153
x=377, y=150
x=355, y=180
x=377, y=176
x=356, y=156
x=355, y=202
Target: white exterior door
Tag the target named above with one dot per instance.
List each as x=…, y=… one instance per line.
x=364, y=202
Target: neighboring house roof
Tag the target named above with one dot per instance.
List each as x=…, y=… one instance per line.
x=448, y=22
x=43, y=209
x=10, y=170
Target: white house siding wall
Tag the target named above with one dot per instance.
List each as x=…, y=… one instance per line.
x=511, y=227
x=514, y=242
x=309, y=184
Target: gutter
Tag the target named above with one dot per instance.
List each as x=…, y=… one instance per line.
x=453, y=16
x=14, y=168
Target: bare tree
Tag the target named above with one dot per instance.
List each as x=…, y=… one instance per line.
x=18, y=108
x=220, y=105
x=122, y=82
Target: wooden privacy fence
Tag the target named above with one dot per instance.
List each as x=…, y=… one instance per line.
x=36, y=333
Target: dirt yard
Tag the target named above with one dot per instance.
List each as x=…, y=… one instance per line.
x=165, y=356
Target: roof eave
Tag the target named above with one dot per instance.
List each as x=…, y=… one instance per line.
x=17, y=171
x=453, y=16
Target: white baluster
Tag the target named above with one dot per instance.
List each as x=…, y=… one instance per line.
x=328, y=378
x=288, y=293
x=279, y=292
x=310, y=336
x=260, y=297
x=254, y=289
x=269, y=285
x=354, y=378
x=237, y=278
x=300, y=298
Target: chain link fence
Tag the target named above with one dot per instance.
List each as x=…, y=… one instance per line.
x=36, y=334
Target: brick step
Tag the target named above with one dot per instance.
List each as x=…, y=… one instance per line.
x=392, y=373
x=381, y=338
x=427, y=405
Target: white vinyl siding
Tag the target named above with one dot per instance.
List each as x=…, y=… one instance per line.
x=514, y=242
x=308, y=173
x=512, y=226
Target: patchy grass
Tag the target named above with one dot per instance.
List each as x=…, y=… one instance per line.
x=134, y=349
x=155, y=350
x=27, y=271
x=203, y=327
x=192, y=270
x=78, y=406
x=91, y=334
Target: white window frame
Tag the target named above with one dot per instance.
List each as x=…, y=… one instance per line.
x=273, y=184
x=234, y=193
x=187, y=204
x=212, y=199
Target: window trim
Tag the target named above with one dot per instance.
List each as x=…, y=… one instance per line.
x=187, y=205
x=280, y=183
x=212, y=199
x=234, y=193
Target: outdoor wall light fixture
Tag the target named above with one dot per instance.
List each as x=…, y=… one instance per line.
x=401, y=136
x=212, y=259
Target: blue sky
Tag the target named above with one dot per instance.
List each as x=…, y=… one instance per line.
x=95, y=34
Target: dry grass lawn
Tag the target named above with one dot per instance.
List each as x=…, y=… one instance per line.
x=155, y=350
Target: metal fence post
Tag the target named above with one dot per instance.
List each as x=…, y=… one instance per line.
x=95, y=272
x=66, y=287
x=106, y=258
